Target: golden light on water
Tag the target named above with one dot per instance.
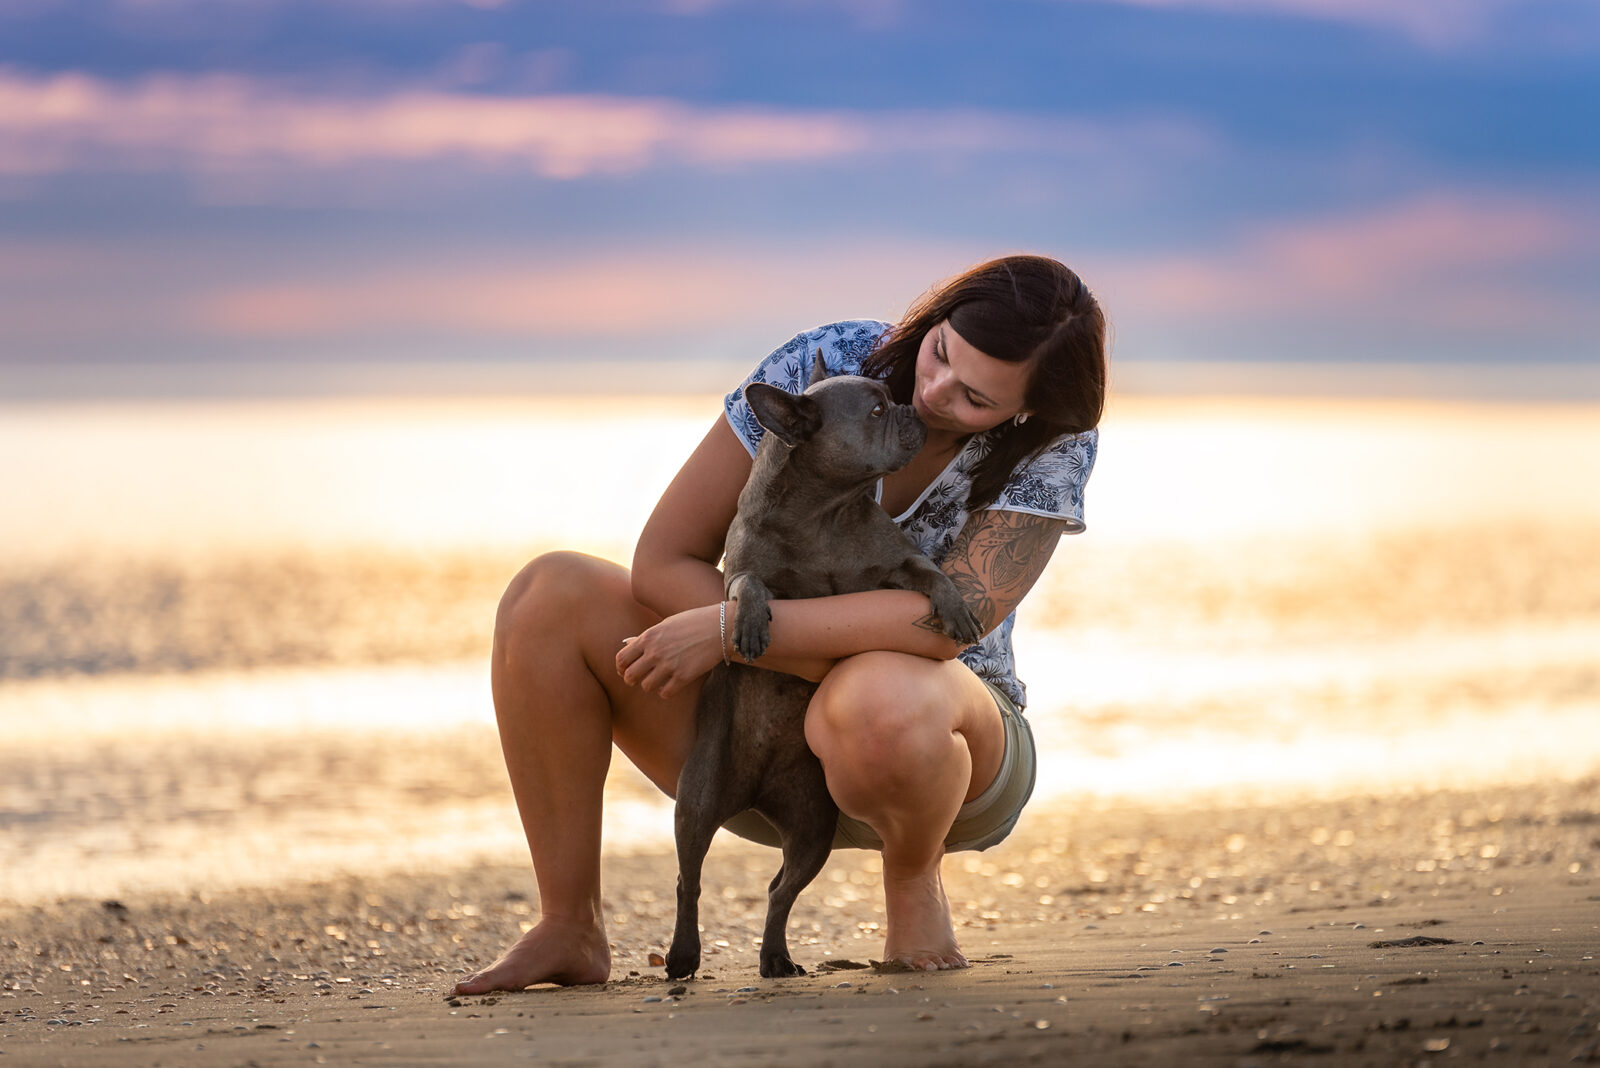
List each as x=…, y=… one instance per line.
x=179, y=478
x=172, y=479
x=1274, y=599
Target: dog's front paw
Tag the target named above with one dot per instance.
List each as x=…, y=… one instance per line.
x=956, y=619
x=965, y=627
x=753, y=632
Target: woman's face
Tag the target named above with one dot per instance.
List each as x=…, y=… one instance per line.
x=962, y=390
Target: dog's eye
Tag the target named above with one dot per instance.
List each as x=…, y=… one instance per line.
x=877, y=411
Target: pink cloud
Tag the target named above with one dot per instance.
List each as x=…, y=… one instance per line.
x=60, y=292
x=607, y=295
x=222, y=122
x=1429, y=22
x=234, y=127
x=1442, y=260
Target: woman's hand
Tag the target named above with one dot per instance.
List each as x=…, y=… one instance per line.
x=673, y=653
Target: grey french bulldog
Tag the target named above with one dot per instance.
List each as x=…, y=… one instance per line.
x=807, y=526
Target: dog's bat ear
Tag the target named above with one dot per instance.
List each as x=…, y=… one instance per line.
x=819, y=370
x=793, y=417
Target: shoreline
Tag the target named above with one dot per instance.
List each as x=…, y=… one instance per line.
x=1124, y=934
x=522, y=379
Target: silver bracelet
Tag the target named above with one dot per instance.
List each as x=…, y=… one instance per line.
x=722, y=628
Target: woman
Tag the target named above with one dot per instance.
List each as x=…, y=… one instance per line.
x=922, y=741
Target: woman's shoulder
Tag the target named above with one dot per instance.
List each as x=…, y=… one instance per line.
x=845, y=345
x=1051, y=482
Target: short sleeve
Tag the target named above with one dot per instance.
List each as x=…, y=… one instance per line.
x=1052, y=483
x=843, y=345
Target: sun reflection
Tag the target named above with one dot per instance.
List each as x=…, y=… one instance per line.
x=246, y=640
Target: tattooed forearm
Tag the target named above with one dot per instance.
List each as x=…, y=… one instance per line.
x=930, y=622
x=996, y=559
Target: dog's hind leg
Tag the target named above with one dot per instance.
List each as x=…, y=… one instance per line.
x=708, y=794
x=694, y=833
x=808, y=828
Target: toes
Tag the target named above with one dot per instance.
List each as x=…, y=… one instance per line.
x=933, y=962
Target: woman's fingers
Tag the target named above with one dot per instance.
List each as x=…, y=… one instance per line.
x=661, y=660
x=656, y=681
x=628, y=655
x=639, y=667
x=637, y=672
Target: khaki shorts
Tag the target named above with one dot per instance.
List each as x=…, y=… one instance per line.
x=982, y=822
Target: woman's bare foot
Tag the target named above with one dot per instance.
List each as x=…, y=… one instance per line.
x=920, y=934
x=550, y=953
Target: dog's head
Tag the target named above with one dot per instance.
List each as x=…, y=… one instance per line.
x=848, y=425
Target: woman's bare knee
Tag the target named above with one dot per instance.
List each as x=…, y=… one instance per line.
x=566, y=611
x=865, y=717
x=883, y=721
x=550, y=593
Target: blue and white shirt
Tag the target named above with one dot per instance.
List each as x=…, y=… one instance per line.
x=1050, y=484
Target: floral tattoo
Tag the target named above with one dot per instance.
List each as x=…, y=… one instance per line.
x=996, y=559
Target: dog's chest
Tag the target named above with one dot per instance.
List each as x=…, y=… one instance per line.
x=813, y=555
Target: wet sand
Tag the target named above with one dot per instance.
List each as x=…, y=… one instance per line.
x=1368, y=930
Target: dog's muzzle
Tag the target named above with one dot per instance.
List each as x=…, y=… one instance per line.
x=912, y=430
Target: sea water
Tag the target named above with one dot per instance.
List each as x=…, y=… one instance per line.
x=246, y=641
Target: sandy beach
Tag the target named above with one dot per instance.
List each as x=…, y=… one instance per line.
x=1298, y=695
x=323, y=321
x=1399, y=930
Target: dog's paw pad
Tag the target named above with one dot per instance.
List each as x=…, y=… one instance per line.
x=780, y=968
x=753, y=636
x=679, y=965
x=959, y=624
x=967, y=628
x=750, y=648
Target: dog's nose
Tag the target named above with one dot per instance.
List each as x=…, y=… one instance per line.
x=913, y=431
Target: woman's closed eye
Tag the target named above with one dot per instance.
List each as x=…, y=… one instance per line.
x=972, y=398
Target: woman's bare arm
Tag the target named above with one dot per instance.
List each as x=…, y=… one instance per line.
x=675, y=562
x=994, y=562
x=997, y=558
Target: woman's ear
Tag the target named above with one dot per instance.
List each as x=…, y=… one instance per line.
x=793, y=417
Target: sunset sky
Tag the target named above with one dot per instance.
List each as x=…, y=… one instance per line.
x=310, y=180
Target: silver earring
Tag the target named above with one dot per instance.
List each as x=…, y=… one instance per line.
x=1020, y=418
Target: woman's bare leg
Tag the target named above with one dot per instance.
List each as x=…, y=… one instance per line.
x=905, y=742
x=560, y=706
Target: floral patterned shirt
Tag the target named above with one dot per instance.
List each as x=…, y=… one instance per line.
x=1050, y=484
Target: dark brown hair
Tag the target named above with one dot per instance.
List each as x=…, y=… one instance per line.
x=1020, y=309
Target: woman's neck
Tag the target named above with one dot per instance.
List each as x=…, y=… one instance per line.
x=945, y=443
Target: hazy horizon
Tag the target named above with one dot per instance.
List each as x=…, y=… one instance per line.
x=1569, y=382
